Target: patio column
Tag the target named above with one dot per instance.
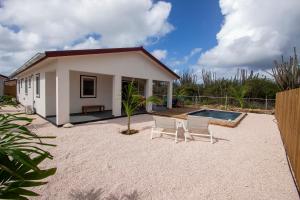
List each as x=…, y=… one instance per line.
x=170, y=94
x=117, y=95
x=149, y=90
x=62, y=96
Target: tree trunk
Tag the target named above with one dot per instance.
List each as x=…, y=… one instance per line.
x=128, y=125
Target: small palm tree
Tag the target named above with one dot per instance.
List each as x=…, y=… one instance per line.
x=239, y=93
x=132, y=101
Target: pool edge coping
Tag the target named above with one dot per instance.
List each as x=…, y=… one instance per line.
x=222, y=122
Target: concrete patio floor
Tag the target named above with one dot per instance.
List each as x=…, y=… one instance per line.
x=94, y=161
x=85, y=117
x=78, y=118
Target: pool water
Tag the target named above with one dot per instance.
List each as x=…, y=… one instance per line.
x=217, y=114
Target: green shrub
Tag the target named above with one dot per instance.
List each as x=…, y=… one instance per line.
x=7, y=100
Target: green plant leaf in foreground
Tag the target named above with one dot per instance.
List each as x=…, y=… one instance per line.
x=21, y=153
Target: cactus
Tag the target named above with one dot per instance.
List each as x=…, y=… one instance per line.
x=287, y=74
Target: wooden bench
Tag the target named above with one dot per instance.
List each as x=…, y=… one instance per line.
x=93, y=107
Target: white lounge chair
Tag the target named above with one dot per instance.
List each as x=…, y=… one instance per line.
x=199, y=126
x=165, y=125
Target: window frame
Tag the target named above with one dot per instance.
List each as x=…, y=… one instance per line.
x=19, y=86
x=82, y=77
x=38, y=85
x=26, y=86
x=29, y=81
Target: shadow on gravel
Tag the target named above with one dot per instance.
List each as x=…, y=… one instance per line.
x=92, y=194
x=97, y=194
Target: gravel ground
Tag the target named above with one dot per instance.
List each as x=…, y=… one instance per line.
x=94, y=161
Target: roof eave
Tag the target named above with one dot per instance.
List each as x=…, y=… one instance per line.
x=48, y=54
x=40, y=57
x=160, y=63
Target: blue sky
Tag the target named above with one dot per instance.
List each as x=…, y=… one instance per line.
x=217, y=35
x=196, y=25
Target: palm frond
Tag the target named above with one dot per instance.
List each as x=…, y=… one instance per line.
x=20, y=155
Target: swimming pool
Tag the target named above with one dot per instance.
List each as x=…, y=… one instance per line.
x=220, y=117
x=217, y=114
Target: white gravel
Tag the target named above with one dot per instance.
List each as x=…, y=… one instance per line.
x=94, y=161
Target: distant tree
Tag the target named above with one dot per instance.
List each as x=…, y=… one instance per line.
x=188, y=82
x=208, y=77
x=257, y=86
x=287, y=74
x=188, y=77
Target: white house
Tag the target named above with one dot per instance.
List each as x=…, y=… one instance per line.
x=2, y=79
x=60, y=83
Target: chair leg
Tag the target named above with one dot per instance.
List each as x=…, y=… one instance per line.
x=176, y=136
x=185, y=138
x=151, y=133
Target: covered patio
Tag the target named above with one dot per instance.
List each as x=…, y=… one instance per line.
x=78, y=118
x=83, y=118
x=98, y=89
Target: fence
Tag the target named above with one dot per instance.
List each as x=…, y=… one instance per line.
x=10, y=88
x=287, y=112
x=252, y=103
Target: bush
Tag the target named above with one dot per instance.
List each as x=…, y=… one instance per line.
x=8, y=100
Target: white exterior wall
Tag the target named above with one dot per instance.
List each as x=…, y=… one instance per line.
x=117, y=95
x=30, y=99
x=104, y=92
x=21, y=96
x=50, y=93
x=62, y=95
x=129, y=64
x=39, y=103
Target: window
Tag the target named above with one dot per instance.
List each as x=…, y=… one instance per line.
x=37, y=86
x=22, y=82
x=19, y=86
x=26, y=86
x=88, y=86
x=29, y=81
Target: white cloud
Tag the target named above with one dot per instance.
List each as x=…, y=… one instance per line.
x=34, y=25
x=254, y=33
x=185, y=59
x=192, y=53
x=160, y=54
